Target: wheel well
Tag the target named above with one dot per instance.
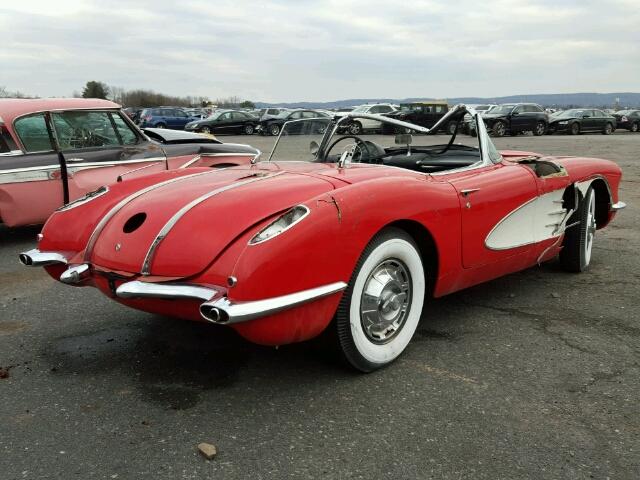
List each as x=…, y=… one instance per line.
x=427, y=248
x=603, y=201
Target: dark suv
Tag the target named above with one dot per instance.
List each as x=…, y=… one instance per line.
x=516, y=118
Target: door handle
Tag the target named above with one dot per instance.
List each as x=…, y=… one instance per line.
x=467, y=191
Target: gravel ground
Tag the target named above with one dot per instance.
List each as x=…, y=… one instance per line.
x=534, y=375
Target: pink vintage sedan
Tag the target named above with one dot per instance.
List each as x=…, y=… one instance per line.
x=53, y=151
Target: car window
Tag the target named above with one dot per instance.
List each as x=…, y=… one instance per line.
x=239, y=116
x=518, y=109
x=127, y=134
x=83, y=129
x=385, y=109
x=295, y=116
x=33, y=133
x=180, y=113
x=310, y=115
x=375, y=109
x=225, y=116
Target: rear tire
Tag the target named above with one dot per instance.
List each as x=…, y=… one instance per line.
x=381, y=307
x=608, y=129
x=206, y=130
x=160, y=125
x=634, y=127
x=577, y=245
x=248, y=129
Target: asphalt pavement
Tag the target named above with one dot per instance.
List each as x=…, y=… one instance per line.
x=532, y=376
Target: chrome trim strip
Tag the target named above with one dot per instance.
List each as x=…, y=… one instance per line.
x=618, y=206
x=226, y=312
x=36, y=258
x=111, y=213
x=12, y=153
x=169, y=291
x=164, y=231
x=85, y=199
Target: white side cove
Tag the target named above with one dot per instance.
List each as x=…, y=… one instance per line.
x=539, y=219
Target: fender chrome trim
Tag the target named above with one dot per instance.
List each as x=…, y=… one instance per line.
x=618, y=206
x=36, y=258
x=225, y=312
x=168, y=291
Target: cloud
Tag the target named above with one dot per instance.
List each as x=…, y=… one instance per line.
x=277, y=50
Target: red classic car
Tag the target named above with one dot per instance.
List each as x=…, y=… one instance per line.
x=53, y=151
x=334, y=233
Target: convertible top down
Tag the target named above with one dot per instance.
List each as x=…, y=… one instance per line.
x=333, y=233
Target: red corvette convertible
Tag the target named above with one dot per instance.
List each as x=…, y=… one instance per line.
x=334, y=233
x=53, y=151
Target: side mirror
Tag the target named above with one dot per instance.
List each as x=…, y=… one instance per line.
x=515, y=113
x=404, y=139
x=314, y=147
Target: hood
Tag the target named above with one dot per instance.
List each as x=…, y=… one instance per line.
x=191, y=222
x=490, y=116
x=561, y=119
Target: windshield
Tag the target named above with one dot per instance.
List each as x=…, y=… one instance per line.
x=481, y=108
x=214, y=115
x=389, y=142
x=361, y=109
x=502, y=109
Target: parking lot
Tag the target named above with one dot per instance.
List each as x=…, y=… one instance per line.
x=534, y=375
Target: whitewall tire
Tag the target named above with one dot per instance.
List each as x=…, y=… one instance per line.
x=381, y=307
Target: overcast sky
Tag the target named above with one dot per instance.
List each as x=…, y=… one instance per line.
x=303, y=50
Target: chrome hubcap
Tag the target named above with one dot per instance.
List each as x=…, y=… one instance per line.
x=590, y=231
x=385, y=301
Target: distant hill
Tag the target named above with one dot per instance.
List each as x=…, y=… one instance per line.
x=604, y=100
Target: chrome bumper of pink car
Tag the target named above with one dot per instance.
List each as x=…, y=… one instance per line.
x=36, y=258
x=226, y=312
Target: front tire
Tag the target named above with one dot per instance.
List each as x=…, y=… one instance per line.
x=540, y=129
x=577, y=245
x=206, y=130
x=634, y=127
x=355, y=128
x=248, y=129
x=381, y=307
x=274, y=129
x=160, y=125
x=574, y=129
x=499, y=129
x=608, y=129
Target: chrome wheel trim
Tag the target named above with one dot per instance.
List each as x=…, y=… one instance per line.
x=206, y=130
x=540, y=128
x=385, y=301
x=274, y=130
x=248, y=129
x=500, y=129
x=634, y=127
x=590, y=229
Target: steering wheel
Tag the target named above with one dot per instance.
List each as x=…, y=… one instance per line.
x=361, y=145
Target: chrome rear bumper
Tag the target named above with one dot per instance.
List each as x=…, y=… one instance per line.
x=166, y=291
x=224, y=311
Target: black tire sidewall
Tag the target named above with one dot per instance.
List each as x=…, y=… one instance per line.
x=572, y=255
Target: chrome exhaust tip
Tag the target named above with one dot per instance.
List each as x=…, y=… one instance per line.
x=213, y=314
x=36, y=258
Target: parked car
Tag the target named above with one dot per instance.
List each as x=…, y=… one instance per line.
x=270, y=113
x=54, y=151
x=581, y=120
x=272, y=126
x=225, y=121
x=426, y=114
x=468, y=125
x=515, y=118
x=363, y=125
x=164, y=117
x=628, y=119
x=349, y=239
